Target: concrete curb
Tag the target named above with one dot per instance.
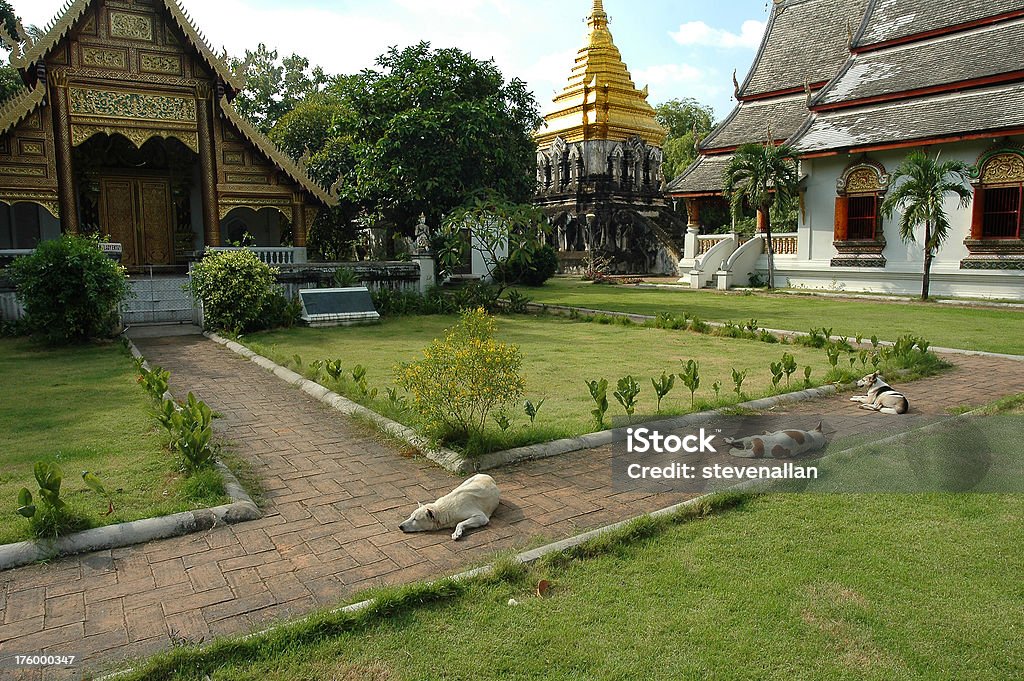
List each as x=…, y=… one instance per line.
x=241, y=508
x=446, y=458
x=456, y=463
x=566, y=310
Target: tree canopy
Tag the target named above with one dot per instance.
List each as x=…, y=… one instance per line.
x=273, y=85
x=687, y=121
x=423, y=132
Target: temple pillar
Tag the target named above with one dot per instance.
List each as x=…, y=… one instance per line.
x=762, y=222
x=692, y=228
x=207, y=165
x=62, y=141
x=298, y=222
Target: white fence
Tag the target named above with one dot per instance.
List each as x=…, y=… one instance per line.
x=272, y=256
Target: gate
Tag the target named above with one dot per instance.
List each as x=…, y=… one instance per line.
x=158, y=299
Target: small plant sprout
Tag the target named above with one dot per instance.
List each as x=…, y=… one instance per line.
x=833, y=355
x=788, y=365
x=777, y=373
x=737, y=380
x=334, y=369
x=691, y=378
x=316, y=366
x=165, y=415
x=863, y=355
x=663, y=386
x=627, y=394
x=717, y=387
x=807, y=376
x=874, y=342
x=93, y=482
x=532, y=410
x=752, y=325
x=599, y=393
x=860, y=339
x=297, y=359
x=155, y=381
x=49, y=477
x=875, y=360
x=503, y=421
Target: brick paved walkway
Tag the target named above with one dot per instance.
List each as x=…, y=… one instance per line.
x=334, y=497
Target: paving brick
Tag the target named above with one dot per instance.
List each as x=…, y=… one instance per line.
x=146, y=622
x=26, y=604
x=104, y=616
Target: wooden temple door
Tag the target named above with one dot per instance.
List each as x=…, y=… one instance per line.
x=136, y=212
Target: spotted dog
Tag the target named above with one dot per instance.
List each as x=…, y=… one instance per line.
x=782, y=444
x=881, y=396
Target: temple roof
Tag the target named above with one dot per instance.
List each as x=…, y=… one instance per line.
x=993, y=110
x=21, y=105
x=787, y=59
x=601, y=102
x=890, y=20
x=59, y=27
x=750, y=121
x=978, y=54
x=704, y=176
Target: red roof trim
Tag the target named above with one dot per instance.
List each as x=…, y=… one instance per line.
x=997, y=79
x=946, y=30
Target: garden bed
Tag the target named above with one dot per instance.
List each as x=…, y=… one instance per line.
x=559, y=357
x=81, y=408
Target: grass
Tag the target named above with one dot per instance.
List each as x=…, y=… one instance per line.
x=781, y=587
x=559, y=355
x=987, y=329
x=81, y=408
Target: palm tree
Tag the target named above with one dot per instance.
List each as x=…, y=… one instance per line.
x=920, y=198
x=761, y=175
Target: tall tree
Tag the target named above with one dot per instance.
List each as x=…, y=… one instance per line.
x=274, y=86
x=761, y=175
x=687, y=121
x=921, y=185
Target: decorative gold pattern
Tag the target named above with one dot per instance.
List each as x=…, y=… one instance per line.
x=45, y=199
x=131, y=26
x=863, y=180
x=109, y=103
x=1004, y=168
x=241, y=178
x=30, y=148
x=137, y=136
x=105, y=58
x=23, y=171
x=160, y=63
x=234, y=158
x=256, y=205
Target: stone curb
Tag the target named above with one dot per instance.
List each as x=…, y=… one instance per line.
x=565, y=310
x=446, y=458
x=456, y=463
x=241, y=509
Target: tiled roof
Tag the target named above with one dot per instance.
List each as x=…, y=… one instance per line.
x=980, y=53
x=703, y=176
x=749, y=121
x=896, y=19
x=961, y=113
x=805, y=41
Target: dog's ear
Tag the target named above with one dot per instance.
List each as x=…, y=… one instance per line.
x=430, y=514
x=820, y=428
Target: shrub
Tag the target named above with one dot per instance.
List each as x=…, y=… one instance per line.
x=541, y=266
x=462, y=378
x=71, y=291
x=236, y=288
x=51, y=517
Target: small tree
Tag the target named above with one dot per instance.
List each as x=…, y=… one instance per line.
x=237, y=290
x=71, y=290
x=760, y=175
x=921, y=185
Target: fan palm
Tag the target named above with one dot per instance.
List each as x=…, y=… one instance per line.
x=760, y=175
x=920, y=187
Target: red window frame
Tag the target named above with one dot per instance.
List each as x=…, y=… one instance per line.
x=1001, y=219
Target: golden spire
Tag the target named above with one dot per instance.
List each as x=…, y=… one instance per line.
x=601, y=102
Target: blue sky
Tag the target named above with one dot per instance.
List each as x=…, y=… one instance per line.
x=679, y=49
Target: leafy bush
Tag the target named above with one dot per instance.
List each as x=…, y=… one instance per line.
x=599, y=393
x=51, y=518
x=237, y=290
x=192, y=434
x=627, y=394
x=71, y=290
x=541, y=266
x=462, y=378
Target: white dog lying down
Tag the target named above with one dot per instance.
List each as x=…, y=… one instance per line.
x=782, y=444
x=881, y=396
x=467, y=506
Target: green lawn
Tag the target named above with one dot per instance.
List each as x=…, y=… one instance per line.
x=989, y=329
x=559, y=355
x=81, y=408
x=783, y=587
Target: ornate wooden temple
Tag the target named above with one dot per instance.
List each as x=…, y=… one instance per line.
x=854, y=85
x=125, y=127
x=599, y=163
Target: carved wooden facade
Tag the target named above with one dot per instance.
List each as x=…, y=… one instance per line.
x=139, y=70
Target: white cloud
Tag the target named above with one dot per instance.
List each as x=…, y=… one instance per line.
x=667, y=81
x=699, y=33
